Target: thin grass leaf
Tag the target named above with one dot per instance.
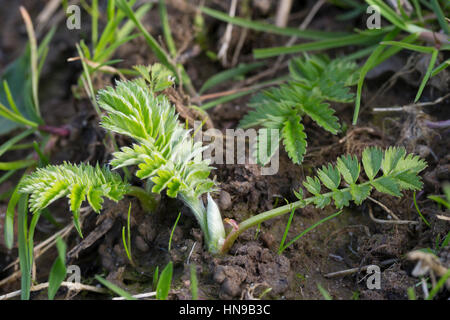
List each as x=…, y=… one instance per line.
x=166, y=28
x=11, y=102
x=441, y=67
x=440, y=16
x=33, y=57
x=117, y=290
x=58, y=271
x=90, y=88
x=259, y=26
x=310, y=229
x=15, y=165
x=438, y=285
x=324, y=292
x=286, y=231
x=173, y=230
x=24, y=257
x=126, y=240
x=336, y=42
x=153, y=44
x=370, y=63
x=94, y=22
x=419, y=212
x=10, y=115
x=226, y=75
x=164, y=282
x=11, y=142
x=194, y=282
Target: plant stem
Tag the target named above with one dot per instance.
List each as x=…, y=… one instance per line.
x=63, y=131
x=259, y=218
x=255, y=220
x=199, y=211
x=147, y=200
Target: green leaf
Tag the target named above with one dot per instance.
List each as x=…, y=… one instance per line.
x=14, y=165
x=58, y=271
x=18, y=77
x=408, y=181
x=161, y=180
x=410, y=163
x=336, y=42
x=386, y=185
x=164, y=148
x=164, y=282
x=331, y=77
x=392, y=156
x=371, y=159
x=77, y=196
x=24, y=251
x=294, y=139
x=48, y=184
x=330, y=177
x=360, y=192
x=312, y=185
x=259, y=26
x=94, y=197
x=341, y=198
x=322, y=201
x=11, y=142
x=230, y=74
x=268, y=141
x=114, y=288
x=321, y=113
x=349, y=167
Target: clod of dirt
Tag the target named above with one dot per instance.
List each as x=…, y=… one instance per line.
x=250, y=264
x=394, y=283
x=225, y=200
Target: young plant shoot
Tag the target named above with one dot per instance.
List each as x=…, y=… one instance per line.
x=168, y=159
x=164, y=151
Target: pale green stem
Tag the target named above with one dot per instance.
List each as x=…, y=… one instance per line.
x=147, y=200
x=199, y=211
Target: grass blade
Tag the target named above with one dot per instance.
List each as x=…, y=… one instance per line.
x=173, y=230
x=434, y=53
x=24, y=258
x=311, y=228
x=94, y=26
x=223, y=76
x=259, y=26
x=34, y=58
x=14, y=165
x=127, y=244
x=439, y=285
x=164, y=282
x=11, y=142
x=194, y=282
x=419, y=212
x=114, y=288
x=166, y=28
x=153, y=44
x=286, y=230
x=58, y=271
x=440, y=16
x=336, y=42
x=370, y=63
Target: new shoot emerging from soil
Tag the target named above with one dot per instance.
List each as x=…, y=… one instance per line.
x=168, y=159
x=164, y=151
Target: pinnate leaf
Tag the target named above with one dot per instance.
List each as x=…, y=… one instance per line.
x=294, y=139
x=371, y=159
